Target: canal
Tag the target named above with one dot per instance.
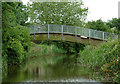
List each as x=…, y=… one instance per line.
x=52, y=68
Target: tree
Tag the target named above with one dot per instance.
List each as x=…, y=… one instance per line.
x=21, y=13
x=64, y=13
x=8, y=17
x=14, y=13
x=15, y=38
x=98, y=25
x=114, y=23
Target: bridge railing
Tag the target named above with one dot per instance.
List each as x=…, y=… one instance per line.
x=64, y=29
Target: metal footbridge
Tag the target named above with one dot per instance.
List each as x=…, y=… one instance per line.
x=69, y=33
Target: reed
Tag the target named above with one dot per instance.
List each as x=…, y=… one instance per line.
x=43, y=49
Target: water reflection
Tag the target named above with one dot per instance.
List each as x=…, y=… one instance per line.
x=50, y=68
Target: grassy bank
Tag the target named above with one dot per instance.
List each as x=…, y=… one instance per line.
x=43, y=49
x=103, y=58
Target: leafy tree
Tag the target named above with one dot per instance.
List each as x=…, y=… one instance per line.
x=21, y=13
x=15, y=43
x=8, y=17
x=15, y=38
x=67, y=13
x=114, y=23
x=62, y=13
x=98, y=25
x=15, y=13
x=70, y=47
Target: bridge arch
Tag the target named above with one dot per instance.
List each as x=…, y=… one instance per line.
x=69, y=33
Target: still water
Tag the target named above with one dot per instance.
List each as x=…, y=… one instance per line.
x=57, y=68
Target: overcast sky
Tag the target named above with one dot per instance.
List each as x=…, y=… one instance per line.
x=104, y=9
x=100, y=9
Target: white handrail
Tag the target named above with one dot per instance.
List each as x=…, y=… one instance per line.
x=65, y=29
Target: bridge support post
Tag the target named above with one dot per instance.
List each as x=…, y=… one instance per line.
x=76, y=34
x=103, y=36
x=61, y=32
x=39, y=29
x=34, y=32
x=89, y=36
x=48, y=31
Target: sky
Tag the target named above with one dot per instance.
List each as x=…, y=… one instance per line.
x=99, y=9
x=102, y=9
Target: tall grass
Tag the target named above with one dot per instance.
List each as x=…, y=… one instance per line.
x=104, y=58
x=43, y=49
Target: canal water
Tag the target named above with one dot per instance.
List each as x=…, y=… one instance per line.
x=52, y=68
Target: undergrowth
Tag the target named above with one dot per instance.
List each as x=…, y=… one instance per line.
x=43, y=49
x=103, y=58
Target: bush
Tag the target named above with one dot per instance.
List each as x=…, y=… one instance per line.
x=39, y=50
x=70, y=47
x=15, y=44
x=104, y=58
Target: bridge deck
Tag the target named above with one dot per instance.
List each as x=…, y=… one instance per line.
x=69, y=33
x=65, y=37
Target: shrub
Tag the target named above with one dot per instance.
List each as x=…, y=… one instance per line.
x=15, y=44
x=104, y=58
x=39, y=50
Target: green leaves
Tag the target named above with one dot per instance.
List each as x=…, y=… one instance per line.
x=16, y=43
x=69, y=47
x=109, y=26
x=14, y=13
x=104, y=57
x=40, y=50
x=68, y=13
x=114, y=23
x=15, y=38
x=98, y=25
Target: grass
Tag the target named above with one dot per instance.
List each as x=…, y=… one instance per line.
x=43, y=49
x=103, y=58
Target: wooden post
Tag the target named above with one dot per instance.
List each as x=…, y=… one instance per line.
x=48, y=31
x=61, y=32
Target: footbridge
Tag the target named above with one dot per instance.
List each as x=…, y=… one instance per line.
x=69, y=33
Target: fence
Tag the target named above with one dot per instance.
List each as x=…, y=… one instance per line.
x=64, y=29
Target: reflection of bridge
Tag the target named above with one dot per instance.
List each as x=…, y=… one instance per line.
x=68, y=33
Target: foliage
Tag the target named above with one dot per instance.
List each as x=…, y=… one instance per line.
x=15, y=44
x=15, y=38
x=39, y=50
x=109, y=26
x=98, y=25
x=70, y=47
x=104, y=58
x=114, y=23
x=68, y=13
x=14, y=13
x=8, y=17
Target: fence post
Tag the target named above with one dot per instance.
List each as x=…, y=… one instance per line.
x=89, y=36
x=61, y=32
x=34, y=32
x=48, y=31
x=75, y=33
x=103, y=36
x=38, y=29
